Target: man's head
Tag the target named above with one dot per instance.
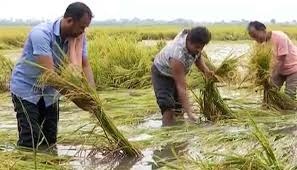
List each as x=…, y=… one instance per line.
x=77, y=17
x=197, y=38
x=257, y=31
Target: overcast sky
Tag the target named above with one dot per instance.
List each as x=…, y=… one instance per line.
x=197, y=10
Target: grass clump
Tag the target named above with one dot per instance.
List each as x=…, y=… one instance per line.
x=12, y=37
x=6, y=66
x=120, y=62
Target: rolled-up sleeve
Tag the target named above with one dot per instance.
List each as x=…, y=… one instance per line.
x=41, y=43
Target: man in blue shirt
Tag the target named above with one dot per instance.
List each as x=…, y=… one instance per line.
x=37, y=107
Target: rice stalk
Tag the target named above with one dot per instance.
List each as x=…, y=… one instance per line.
x=6, y=66
x=76, y=89
x=227, y=71
x=213, y=105
x=211, y=102
x=269, y=156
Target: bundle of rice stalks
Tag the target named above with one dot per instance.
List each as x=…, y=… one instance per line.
x=211, y=102
x=74, y=86
x=262, y=62
x=227, y=70
x=6, y=66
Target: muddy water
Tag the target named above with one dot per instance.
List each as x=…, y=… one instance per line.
x=83, y=158
x=157, y=157
x=6, y=125
x=152, y=122
x=217, y=50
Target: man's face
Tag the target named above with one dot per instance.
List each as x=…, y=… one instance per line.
x=257, y=35
x=76, y=28
x=194, y=48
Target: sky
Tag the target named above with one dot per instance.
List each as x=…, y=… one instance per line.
x=197, y=10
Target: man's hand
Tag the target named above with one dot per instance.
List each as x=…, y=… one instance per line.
x=209, y=74
x=200, y=64
x=191, y=117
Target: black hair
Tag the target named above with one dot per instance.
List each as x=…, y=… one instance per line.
x=199, y=35
x=259, y=26
x=77, y=10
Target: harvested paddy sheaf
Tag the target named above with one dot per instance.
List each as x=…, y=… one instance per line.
x=261, y=69
x=210, y=101
x=72, y=84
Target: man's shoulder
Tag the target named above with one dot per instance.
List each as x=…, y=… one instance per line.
x=279, y=34
x=42, y=30
x=181, y=35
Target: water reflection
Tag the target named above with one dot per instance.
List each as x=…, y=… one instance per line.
x=83, y=158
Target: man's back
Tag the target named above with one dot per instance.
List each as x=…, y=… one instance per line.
x=176, y=49
x=285, y=51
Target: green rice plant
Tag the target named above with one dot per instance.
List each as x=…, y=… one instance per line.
x=161, y=44
x=6, y=66
x=261, y=64
x=12, y=37
x=269, y=155
x=220, y=32
x=74, y=86
x=15, y=36
x=120, y=62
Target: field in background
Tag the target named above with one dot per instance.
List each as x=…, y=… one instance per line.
x=11, y=37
